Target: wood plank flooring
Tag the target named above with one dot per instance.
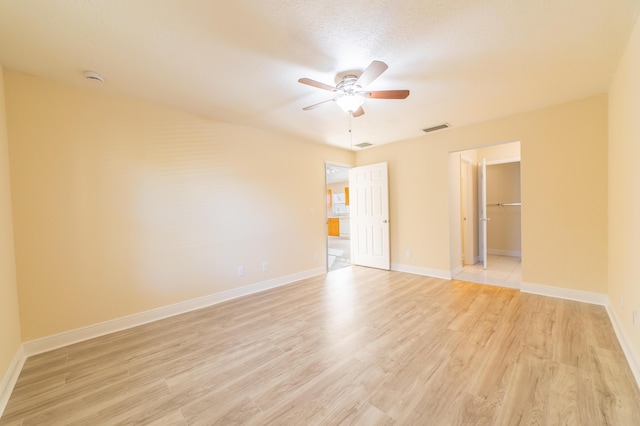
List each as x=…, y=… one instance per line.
x=356, y=346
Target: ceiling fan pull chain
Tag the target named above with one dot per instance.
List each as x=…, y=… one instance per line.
x=350, y=131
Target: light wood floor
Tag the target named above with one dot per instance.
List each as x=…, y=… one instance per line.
x=357, y=346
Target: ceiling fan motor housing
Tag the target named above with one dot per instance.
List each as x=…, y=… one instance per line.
x=348, y=85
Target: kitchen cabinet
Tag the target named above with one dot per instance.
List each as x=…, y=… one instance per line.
x=334, y=227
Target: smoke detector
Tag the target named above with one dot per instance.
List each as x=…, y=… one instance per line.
x=94, y=76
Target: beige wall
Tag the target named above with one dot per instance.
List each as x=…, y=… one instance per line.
x=501, y=152
x=9, y=317
x=624, y=189
x=563, y=171
x=125, y=206
x=122, y=206
x=456, y=235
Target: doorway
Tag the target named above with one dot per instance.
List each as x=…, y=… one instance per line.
x=338, y=217
x=486, y=230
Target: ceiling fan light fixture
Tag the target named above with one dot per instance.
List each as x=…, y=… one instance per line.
x=350, y=102
x=349, y=92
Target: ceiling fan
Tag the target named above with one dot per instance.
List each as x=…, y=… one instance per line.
x=350, y=91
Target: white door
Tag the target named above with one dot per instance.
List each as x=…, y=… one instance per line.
x=369, y=211
x=482, y=201
x=467, y=210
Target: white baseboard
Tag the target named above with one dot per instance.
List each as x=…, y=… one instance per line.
x=632, y=357
x=456, y=271
x=500, y=252
x=418, y=270
x=66, y=338
x=11, y=377
x=565, y=293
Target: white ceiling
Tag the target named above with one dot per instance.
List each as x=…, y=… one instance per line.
x=464, y=61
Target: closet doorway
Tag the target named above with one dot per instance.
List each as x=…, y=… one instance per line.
x=486, y=242
x=338, y=217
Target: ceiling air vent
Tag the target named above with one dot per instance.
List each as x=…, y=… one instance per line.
x=438, y=127
x=364, y=144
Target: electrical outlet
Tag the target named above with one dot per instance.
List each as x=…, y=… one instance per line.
x=635, y=317
x=265, y=265
x=240, y=271
x=409, y=253
x=316, y=257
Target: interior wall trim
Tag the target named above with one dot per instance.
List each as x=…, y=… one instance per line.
x=11, y=378
x=502, y=252
x=419, y=270
x=565, y=293
x=456, y=271
x=66, y=338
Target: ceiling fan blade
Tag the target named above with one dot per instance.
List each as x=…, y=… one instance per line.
x=387, y=94
x=358, y=112
x=373, y=71
x=317, y=84
x=317, y=105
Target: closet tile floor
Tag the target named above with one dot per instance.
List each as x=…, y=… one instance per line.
x=504, y=271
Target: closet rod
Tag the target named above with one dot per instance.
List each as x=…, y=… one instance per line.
x=505, y=204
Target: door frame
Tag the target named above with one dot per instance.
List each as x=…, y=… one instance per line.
x=467, y=211
x=326, y=215
x=455, y=240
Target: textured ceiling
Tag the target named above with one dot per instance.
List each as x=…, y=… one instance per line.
x=464, y=61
